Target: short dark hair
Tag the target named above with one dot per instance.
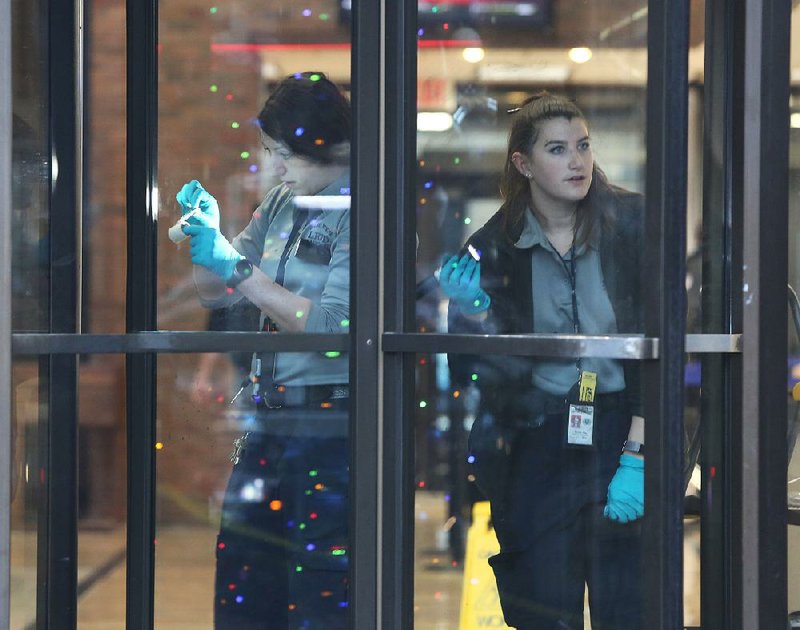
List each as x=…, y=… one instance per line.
x=309, y=114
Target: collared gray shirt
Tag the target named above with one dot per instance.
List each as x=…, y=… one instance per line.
x=553, y=309
x=317, y=268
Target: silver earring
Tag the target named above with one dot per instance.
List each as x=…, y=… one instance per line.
x=528, y=174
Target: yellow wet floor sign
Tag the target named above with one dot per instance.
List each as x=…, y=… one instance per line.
x=480, y=603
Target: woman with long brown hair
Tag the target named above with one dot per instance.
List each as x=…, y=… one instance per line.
x=557, y=443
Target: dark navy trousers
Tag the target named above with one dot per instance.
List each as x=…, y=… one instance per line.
x=282, y=550
x=547, y=511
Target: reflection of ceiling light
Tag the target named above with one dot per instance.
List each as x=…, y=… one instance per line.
x=434, y=121
x=526, y=8
x=580, y=55
x=155, y=202
x=530, y=73
x=473, y=55
x=794, y=121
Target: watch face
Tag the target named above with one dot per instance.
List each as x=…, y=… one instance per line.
x=244, y=268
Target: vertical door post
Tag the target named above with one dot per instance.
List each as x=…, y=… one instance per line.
x=665, y=309
x=399, y=306
x=142, y=134
x=762, y=566
x=57, y=575
x=366, y=287
x=6, y=447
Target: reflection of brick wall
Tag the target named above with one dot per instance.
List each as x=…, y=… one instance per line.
x=201, y=94
x=193, y=463
x=195, y=140
x=105, y=173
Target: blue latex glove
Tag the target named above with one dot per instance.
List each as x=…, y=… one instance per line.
x=212, y=250
x=192, y=196
x=626, y=491
x=461, y=282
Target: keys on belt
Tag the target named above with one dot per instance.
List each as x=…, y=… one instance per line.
x=239, y=445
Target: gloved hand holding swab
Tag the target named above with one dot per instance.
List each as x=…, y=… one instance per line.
x=195, y=202
x=176, y=233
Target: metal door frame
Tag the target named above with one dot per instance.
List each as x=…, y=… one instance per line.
x=5, y=314
x=759, y=512
x=667, y=103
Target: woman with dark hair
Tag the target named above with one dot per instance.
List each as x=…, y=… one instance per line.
x=557, y=443
x=283, y=543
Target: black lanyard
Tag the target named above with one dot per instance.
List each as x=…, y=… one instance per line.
x=572, y=277
x=267, y=372
x=299, y=223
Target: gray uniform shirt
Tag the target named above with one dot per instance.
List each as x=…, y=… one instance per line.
x=317, y=268
x=552, y=310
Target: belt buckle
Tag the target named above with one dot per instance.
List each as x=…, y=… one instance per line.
x=339, y=391
x=270, y=405
x=263, y=399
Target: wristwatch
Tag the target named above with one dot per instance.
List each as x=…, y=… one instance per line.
x=241, y=271
x=633, y=447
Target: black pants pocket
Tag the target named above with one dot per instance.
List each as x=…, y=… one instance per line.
x=507, y=574
x=490, y=446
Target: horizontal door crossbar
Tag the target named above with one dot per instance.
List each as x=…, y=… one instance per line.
x=176, y=342
x=561, y=346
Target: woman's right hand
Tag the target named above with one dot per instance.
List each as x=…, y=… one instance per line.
x=192, y=197
x=461, y=282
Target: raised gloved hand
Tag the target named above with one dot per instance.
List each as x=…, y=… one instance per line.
x=212, y=250
x=193, y=196
x=461, y=282
x=626, y=491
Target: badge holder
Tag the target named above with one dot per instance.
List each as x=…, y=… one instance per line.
x=580, y=413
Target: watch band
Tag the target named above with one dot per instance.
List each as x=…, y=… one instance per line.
x=242, y=270
x=633, y=447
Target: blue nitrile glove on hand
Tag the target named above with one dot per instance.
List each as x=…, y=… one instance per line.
x=626, y=491
x=461, y=282
x=193, y=196
x=209, y=248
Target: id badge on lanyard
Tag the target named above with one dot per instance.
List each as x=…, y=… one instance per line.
x=580, y=415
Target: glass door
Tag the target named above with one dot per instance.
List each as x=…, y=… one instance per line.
x=254, y=127
x=373, y=436
x=488, y=458
x=703, y=467
x=126, y=510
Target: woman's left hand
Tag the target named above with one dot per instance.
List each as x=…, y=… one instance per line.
x=626, y=491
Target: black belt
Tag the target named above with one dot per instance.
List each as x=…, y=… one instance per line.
x=300, y=395
x=549, y=403
x=531, y=406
